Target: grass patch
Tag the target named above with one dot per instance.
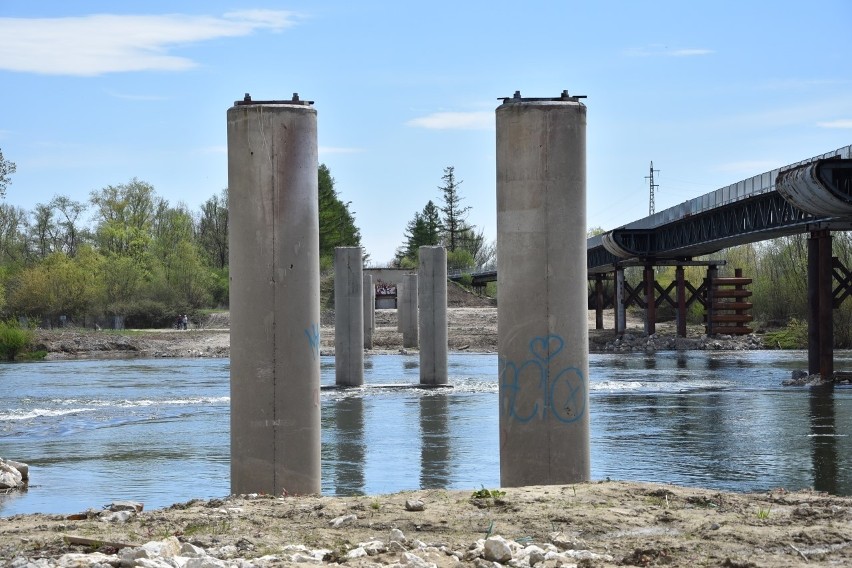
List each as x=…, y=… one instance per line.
x=794, y=336
x=488, y=494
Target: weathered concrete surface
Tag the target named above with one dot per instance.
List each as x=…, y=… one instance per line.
x=348, y=316
x=275, y=315
x=409, y=323
x=369, y=311
x=432, y=305
x=542, y=314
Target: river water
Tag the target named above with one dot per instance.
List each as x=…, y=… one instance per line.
x=156, y=430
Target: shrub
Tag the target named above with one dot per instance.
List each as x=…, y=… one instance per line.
x=144, y=313
x=13, y=339
x=794, y=336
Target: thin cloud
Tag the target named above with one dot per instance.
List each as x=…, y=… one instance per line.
x=107, y=43
x=455, y=121
x=659, y=50
x=839, y=123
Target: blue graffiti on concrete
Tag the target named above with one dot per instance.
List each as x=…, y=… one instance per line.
x=560, y=393
x=313, y=336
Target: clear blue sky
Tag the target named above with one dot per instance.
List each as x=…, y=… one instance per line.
x=95, y=93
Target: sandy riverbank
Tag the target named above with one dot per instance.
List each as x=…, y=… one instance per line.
x=472, y=329
x=592, y=524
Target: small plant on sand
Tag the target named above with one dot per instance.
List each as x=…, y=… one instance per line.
x=488, y=493
x=762, y=513
x=375, y=505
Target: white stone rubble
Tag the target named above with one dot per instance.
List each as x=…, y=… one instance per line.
x=394, y=551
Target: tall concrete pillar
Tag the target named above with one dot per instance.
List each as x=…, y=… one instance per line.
x=409, y=324
x=274, y=297
x=348, y=317
x=400, y=305
x=432, y=318
x=369, y=310
x=543, y=343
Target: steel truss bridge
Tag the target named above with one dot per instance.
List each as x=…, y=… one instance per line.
x=813, y=194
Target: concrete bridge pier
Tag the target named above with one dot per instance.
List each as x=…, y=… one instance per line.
x=432, y=318
x=543, y=337
x=820, y=305
x=409, y=323
x=348, y=316
x=400, y=305
x=274, y=297
x=369, y=311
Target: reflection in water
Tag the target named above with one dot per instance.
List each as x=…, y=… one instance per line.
x=435, y=442
x=824, y=438
x=348, y=442
x=410, y=365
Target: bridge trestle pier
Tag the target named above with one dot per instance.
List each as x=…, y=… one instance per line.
x=820, y=304
x=649, y=294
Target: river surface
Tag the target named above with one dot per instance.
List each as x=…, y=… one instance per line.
x=156, y=431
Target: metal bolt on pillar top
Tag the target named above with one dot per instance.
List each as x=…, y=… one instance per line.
x=542, y=314
x=274, y=297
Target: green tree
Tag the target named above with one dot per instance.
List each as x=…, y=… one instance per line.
x=13, y=234
x=454, y=214
x=336, y=222
x=7, y=168
x=125, y=217
x=72, y=232
x=213, y=230
x=44, y=231
x=60, y=285
x=423, y=230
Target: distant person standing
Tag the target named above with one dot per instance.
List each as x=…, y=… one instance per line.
x=185, y=321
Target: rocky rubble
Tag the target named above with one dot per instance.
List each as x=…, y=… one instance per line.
x=13, y=475
x=394, y=550
x=632, y=343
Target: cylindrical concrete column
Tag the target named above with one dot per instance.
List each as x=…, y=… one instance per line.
x=348, y=316
x=400, y=305
x=543, y=344
x=274, y=297
x=409, y=324
x=369, y=310
x=432, y=318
